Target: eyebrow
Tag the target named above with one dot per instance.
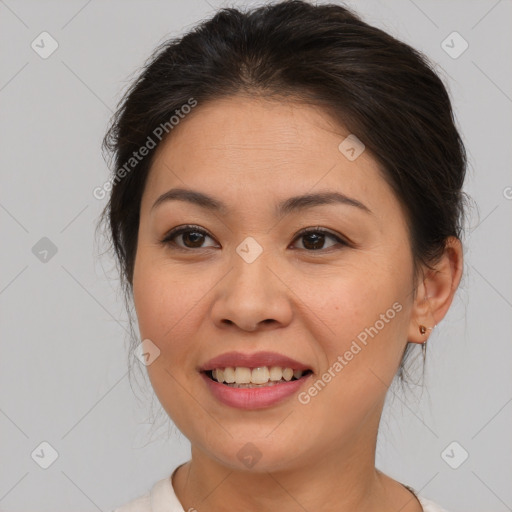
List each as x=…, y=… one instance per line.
x=285, y=207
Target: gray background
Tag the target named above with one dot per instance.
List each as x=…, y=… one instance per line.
x=63, y=364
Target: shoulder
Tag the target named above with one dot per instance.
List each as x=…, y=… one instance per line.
x=161, y=498
x=426, y=504
x=141, y=504
x=429, y=505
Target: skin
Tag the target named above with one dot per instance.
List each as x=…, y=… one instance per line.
x=205, y=300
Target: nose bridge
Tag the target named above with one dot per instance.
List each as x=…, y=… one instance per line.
x=252, y=293
x=251, y=271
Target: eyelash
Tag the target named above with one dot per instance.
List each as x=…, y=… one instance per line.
x=168, y=240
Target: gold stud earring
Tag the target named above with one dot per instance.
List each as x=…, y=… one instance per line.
x=423, y=329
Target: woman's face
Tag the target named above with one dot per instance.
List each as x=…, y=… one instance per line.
x=340, y=302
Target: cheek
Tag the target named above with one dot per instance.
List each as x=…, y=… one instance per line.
x=367, y=320
x=164, y=305
x=160, y=296
x=353, y=300
x=170, y=305
x=364, y=314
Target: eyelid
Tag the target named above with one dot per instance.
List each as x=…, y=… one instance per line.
x=178, y=230
x=319, y=229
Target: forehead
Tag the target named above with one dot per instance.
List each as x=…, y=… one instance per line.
x=237, y=125
x=256, y=146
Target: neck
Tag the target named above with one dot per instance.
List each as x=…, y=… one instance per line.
x=333, y=481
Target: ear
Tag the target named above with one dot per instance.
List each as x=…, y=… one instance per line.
x=435, y=291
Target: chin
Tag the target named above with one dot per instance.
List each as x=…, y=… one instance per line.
x=260, y=455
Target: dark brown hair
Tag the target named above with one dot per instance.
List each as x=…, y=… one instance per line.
x=377, y=87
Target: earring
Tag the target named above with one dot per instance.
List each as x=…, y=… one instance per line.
x=423, y=330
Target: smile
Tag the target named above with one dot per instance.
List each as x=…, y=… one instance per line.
x=244, y=377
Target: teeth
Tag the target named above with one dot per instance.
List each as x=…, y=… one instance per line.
x=261, y=375
x=276, y=373
x=287, y=374
x=242, y=375
x=229, y=375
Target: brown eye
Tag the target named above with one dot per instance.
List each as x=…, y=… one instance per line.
x=314, y=239
x=192, y=237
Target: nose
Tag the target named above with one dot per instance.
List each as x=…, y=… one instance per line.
x=253, y=296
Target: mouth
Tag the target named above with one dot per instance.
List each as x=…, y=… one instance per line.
x=262, y=376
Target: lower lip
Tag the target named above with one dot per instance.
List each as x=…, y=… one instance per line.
x=254, y=398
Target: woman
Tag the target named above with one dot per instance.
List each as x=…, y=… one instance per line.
x=286, y=211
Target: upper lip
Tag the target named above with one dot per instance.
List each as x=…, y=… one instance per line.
x=255, y=360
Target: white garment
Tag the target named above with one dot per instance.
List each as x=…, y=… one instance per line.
x=162, y=498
